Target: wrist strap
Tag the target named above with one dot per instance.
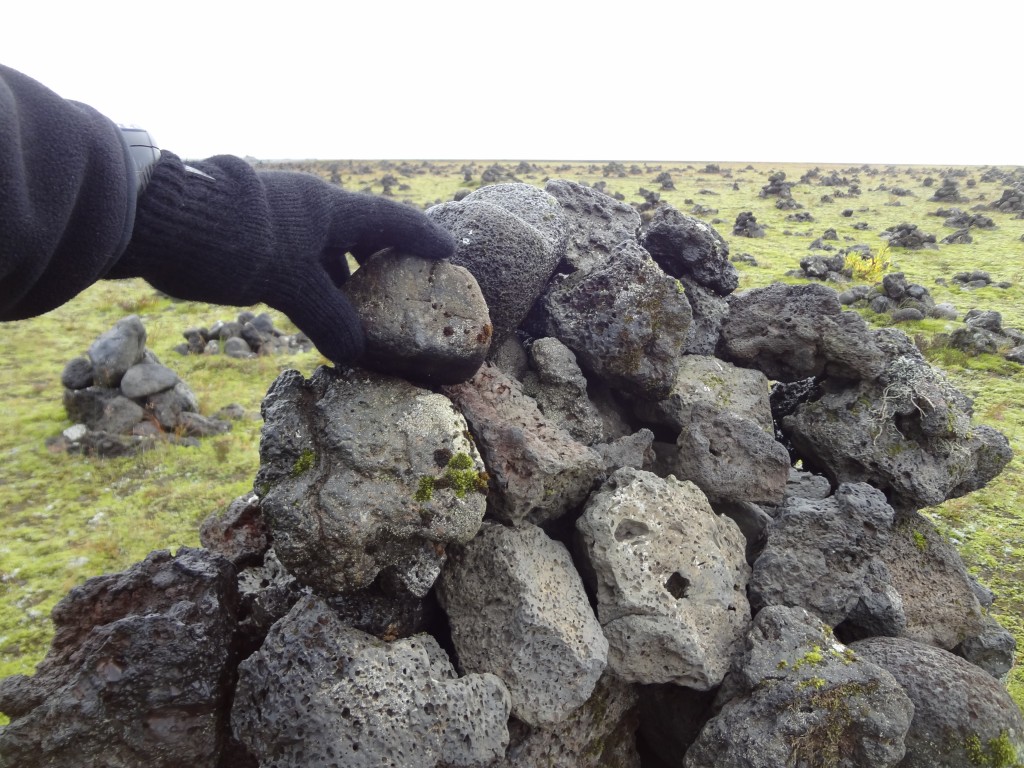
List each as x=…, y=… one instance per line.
x=144, y=153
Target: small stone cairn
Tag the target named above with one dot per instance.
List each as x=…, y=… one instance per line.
x=122, y=399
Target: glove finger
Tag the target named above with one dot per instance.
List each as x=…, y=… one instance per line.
x=322, y=312
x=373, y=223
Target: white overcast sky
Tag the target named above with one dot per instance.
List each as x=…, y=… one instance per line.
x=719, y=80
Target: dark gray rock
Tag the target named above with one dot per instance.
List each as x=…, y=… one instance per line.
x=908, y=432
x=145, y=379
x=237, y=347
x=138, y=672
x=798, y=697
x=538, y=471
x=365, y=476
x=709, y=310
x=823, y=267
x=908, y=236
x=687, y=247
x=238, y=532
x=102, y=409
x=790, y=332
x=599, y=734
x=626, y=321
x=962, y=716
x=517, y=609
x=536, y=207
x=818, y=554
x=597, y=223
x=976, y=340
x=425, y=320
x=746, y=226
x=560, y=390
x=511, y=259
x=670, y=579
x=864, y=570
x=77, y=374
x=168, y=406
x=196, y=425
x=987, y=319
x=117, y=350
x=359, y=701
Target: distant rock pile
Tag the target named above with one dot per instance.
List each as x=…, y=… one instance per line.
x=595, y=547
x=746, y=225
x=122, y=399
x=949, y=192
x=983, y=333
x=978, y=278
x=1011, y=201
x=897, y=297
x=249, y=335
x=908, y=236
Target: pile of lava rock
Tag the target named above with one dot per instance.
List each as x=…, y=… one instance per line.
x=249, y=335
x=122, y=399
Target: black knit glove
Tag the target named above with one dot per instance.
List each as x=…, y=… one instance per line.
x=220, y=232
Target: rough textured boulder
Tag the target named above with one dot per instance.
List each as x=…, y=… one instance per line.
x=686, y=246
x=709, y=311
x=536, y=207
x=338, y=689
x=537, y=470
x=798, y=697
x=626, y=321
x=730, y=457
x=908, y=432
x=670, y=578
x=823, y=556
x=560, y=389
x=962, y=716
x=599, y=734
x=790, y=332
x=365, y=476
x=139, y=671
x=597, y=223
x=517, y=609
x=239, y=532
x=424, y=320
x=509, y=257
x=726, y=443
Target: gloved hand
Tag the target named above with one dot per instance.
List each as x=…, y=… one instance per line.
x=221, y=232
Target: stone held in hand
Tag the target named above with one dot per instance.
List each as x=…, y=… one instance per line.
x=425, y=320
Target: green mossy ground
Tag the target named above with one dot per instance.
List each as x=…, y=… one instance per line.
x=67, y=518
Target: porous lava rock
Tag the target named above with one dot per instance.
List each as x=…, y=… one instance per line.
x=365, y=476
x=797, y=696
x=670, y=578
x=517, y=609
x=790, y=332
x=359, y=701
x=139, y=671
x=962, y=716
x=683, y=245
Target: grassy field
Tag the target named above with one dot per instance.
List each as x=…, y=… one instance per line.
x=67, y=518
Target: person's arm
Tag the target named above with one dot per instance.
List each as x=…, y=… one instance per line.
x=67, y=197
x=215, y=231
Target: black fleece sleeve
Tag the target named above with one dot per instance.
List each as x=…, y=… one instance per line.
x=67, y=197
